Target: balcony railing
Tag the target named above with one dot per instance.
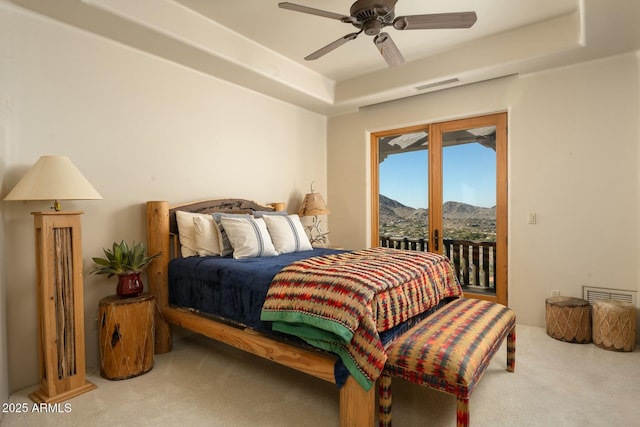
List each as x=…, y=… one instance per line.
x=474, y=262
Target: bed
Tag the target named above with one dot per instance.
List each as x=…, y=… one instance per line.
x=195, y=310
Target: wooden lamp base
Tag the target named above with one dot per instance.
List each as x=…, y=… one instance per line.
x=40, y=396
x=60, y=307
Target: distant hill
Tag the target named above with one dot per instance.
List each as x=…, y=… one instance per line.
x=463, y=210
x=461, y=220
x=392, y=210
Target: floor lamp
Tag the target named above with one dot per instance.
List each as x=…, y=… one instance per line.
x=58, y=242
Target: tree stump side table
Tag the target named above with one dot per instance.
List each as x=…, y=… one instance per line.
x=568, y=319
x=614, y=325
x=126, y=336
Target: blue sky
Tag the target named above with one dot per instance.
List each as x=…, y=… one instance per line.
x=468, y=176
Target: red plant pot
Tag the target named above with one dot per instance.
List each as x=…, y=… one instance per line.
x=129, y=285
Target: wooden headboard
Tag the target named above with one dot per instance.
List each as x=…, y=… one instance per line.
x=208, y=207
x=215, y=205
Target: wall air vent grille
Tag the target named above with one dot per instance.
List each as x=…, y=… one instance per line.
x=436, y=84
x=591, y=294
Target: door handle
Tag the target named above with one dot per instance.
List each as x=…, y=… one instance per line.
x=436, y=239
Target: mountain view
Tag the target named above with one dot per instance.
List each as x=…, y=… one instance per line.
x=460, y=221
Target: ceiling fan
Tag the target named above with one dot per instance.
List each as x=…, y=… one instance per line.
x=371, y=16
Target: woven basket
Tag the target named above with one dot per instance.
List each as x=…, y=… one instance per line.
x=568, y=319
x=614, y=325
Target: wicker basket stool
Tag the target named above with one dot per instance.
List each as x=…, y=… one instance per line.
x=614, y=325
x=568, y=319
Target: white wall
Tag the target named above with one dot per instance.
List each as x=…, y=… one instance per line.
x=139, y=128
x=4, y=368
x=574, y=140
x=4, y=50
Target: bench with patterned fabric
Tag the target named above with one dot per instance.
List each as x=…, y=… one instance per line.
x=449, y=351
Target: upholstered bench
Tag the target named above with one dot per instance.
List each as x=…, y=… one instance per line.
x=449, y=351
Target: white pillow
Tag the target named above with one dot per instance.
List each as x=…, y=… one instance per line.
x=248, y=236
x=206, y=233
x=287, y=233
x=186, y=232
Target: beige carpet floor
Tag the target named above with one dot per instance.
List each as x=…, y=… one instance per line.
x=204, y=383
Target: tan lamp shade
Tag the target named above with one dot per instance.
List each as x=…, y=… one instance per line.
x=313, y=204
x=53, y=178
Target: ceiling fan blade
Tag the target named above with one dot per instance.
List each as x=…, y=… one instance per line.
x=388, y=50
x=331, y=46
x=435, y=21
x=313, y=11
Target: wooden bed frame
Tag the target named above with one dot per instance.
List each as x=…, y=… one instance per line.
x=357, y=406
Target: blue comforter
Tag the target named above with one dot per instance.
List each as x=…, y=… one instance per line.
x=234, y=289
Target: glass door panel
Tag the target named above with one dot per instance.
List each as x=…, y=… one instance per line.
x=469, y=205
x=403, y=168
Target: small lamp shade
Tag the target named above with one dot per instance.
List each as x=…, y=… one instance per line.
x=313, y=204
x=53, y=178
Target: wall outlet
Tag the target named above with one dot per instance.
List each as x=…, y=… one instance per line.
x=555, y=293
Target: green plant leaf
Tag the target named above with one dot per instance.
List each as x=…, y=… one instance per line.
x=123, y=259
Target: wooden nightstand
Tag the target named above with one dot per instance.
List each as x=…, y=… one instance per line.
x=126, y=336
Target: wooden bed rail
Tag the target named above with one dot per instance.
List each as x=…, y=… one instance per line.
x=319, y=365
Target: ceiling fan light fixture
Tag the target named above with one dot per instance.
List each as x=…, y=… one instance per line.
x=372, y=27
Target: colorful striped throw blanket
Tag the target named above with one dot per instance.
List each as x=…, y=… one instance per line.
x=341, y=302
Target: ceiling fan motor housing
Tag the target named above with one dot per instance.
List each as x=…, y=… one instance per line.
x=372, y=15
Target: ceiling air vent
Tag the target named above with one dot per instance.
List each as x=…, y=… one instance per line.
x=436, y=84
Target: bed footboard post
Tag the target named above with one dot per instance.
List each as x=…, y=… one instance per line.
x=357, y=406
x=158, y=270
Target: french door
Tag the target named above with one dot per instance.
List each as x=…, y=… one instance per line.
x=442, y=187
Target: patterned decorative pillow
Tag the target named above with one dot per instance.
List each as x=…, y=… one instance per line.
x=223, y=240
x=206, y=232
x=186, y=232
x=287, y=233
x=248, y=236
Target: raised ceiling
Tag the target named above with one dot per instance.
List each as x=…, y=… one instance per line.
x=256, y=44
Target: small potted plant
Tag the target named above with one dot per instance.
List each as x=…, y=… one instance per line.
x=126, y=262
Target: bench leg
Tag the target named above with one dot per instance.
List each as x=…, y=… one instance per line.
x=384, y=400
x=462, y=412
x=511, y=350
